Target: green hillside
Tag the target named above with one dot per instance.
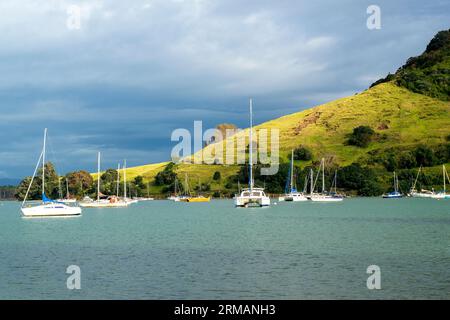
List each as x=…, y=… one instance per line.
x=406, y=114
x=400, y=123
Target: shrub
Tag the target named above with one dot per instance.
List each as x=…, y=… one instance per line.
x=216, y=176
x=425, y=156
x=302, y=153
x=361, y=136
x=166, y=177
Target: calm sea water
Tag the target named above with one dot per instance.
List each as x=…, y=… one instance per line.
x=168, y=250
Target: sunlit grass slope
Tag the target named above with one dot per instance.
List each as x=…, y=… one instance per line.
x=400, y=118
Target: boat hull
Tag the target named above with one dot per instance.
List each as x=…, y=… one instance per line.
x=95, y=204
x=249, y=201
x=327, y=199
x=195, y=199
x=295, y=198
x=441, y=196
x=422, y=195
x=51, y=210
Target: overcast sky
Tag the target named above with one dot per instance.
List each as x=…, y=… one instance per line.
x=136, y=70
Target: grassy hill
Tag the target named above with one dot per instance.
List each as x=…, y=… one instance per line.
x=408, y=113
x=401, y=119
x=406, y=110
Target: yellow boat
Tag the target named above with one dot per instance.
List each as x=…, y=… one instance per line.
x=197, y=199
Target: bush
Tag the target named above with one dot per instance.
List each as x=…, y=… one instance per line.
x=361, y=136
x=425, y=156
x=302, y=153
x=166, y=177
x=216, y=176
x=363, y=180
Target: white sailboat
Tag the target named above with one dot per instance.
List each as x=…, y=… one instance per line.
x=443, y=194
x=109, y=202
x=251, y=195
x=293, y=194
x=394, y=194
x=422, y=193
x=48, y=207
x=326, y=196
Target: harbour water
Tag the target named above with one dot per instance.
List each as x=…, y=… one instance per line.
x=169, y=250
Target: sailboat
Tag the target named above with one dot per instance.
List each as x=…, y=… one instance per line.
x=175, y=196
x=109, y=202
x=422, y=193
x=188, y=197
x=148, y=198
x=67, y=199
x=443, y=194
x=291, y=192
x=251, y=195
x=48, y=207
x=325, y=196
x=395, y=193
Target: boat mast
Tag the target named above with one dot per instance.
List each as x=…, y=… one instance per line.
x=250, y=183
x=59, y=187
x=335, y=181
x=186, y=185
x=98, y=176
x=125, y=179
x=67, y=188
x=312, y=180
x=417, y=178
x=443, y=174
x=43, y=162
x=292, y=169
x=323, y=175
x=118, y=179
x=395, y=183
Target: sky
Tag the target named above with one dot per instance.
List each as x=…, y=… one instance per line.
x=130, y=72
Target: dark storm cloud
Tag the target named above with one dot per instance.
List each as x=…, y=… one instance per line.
x=134, y=72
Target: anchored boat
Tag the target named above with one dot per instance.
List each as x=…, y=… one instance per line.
x=291, y=192
x=395, y=194
x=443, y=194
x=48, y=207
x=251, y=195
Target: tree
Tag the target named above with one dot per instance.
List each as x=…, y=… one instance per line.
x=362, y=179
x=35, y=190
x=302, y=153
x=108, y=182
x=216, y=176
x=425, y=156
x=407, y=161
x=51, y=184
x=361, y=136
x=80, y=183
x=166, y=176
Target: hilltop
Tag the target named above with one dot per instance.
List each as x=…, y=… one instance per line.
x=428, y=73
